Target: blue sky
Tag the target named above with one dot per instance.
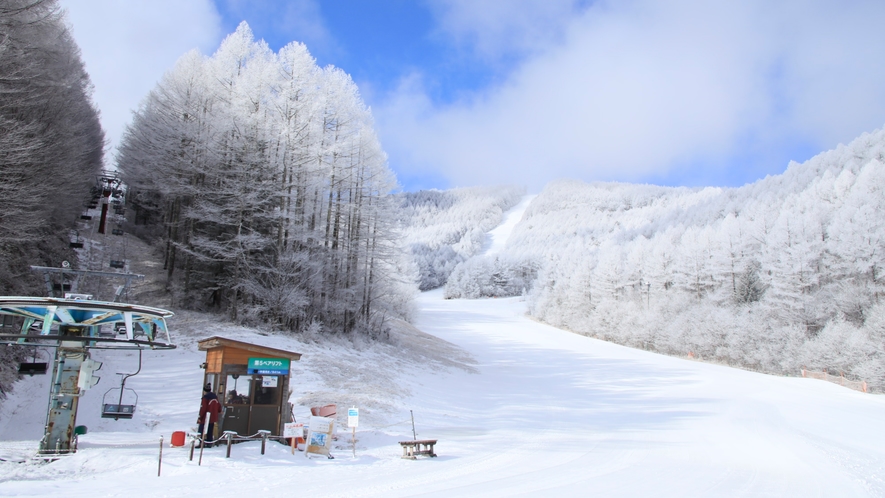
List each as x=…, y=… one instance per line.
x=468, y=92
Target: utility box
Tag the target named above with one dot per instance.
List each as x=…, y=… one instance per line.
x=251, y=382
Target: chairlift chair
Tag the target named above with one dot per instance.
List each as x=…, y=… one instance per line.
x=119, y=409
x=33, y=367
x=76, y=243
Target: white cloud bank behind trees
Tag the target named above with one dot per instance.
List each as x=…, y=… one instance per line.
x=640, y=90
x=682, y=92
x=127, y=46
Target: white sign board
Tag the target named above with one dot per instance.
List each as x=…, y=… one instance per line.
x=293, y=430
x=269, y=381
x=353, y=417
x=319, y=437
x=320, y=424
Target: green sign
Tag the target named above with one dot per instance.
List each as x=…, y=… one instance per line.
x=269, y=366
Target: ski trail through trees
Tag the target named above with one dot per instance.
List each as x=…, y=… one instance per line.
x=497, y=238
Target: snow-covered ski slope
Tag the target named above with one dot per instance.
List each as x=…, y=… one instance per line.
x=496, y=239
x=536, y=410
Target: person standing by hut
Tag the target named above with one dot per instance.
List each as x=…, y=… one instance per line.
x=210, y=407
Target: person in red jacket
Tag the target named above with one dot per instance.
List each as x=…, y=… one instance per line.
x=210, y=407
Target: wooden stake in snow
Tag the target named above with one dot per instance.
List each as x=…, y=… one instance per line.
x=160, y=465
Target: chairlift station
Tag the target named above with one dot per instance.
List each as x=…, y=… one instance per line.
x=73, y=327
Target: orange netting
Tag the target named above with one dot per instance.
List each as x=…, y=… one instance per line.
x=857, y=385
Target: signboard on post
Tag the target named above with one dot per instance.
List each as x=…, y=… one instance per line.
x=268, y=366
x=295, y=432
x=353, y=421
x=319, y=436
x=293, y=429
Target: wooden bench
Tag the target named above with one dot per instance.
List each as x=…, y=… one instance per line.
x=420, y=447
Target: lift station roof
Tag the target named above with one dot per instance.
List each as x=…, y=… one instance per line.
x=143, y=325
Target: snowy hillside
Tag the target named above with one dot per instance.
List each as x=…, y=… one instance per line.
x=778, y=275
x=536, y=410
x=442, y=228
x=517, y=407
x=491, y=274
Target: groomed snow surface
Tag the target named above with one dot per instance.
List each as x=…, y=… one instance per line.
x=540, y=410
x=518, y=408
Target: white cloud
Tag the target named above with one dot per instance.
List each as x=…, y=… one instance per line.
x=632, y=90
x=498, y=28
x=127, y=46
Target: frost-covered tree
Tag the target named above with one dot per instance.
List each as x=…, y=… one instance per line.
x=50, y=147
x=443, y=228
x=777, y=275
x=271, y=189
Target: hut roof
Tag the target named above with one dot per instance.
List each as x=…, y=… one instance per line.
x=220, y=342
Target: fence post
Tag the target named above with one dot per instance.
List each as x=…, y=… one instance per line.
x=230, y=441
x=264, y=434
x=193, y=443
x=160, y=465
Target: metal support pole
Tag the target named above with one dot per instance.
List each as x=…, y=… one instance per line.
x=414, y=434
x=160, y=465
x=193, y=443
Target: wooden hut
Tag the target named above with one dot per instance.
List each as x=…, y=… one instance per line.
x=252, y=383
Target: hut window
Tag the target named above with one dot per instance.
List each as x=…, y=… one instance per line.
x=237, y=390
x=264, y=393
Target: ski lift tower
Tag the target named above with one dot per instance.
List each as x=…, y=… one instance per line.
x=70, y=278
x=72, y=326
x=108, y=185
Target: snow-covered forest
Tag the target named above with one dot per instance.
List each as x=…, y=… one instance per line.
x=50, y=139
x=777, y=275
x=263, y=177
x=50, y=147
x=444, y=228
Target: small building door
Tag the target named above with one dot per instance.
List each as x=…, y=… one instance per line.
x=251, y=403
x=265, y=414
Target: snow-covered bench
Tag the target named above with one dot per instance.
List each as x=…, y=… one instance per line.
x=420, y=447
